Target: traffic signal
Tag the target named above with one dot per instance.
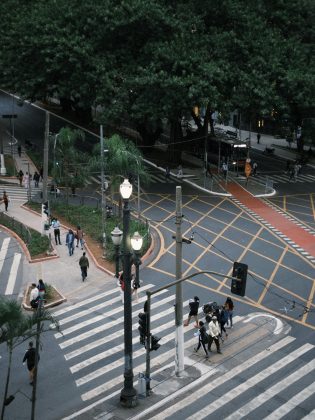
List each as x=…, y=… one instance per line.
x=240, y=272
x=45, y=208
x=143, y=327
x=154, y=343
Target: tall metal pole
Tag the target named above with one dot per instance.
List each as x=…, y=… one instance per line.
x=128, y=396
x=38, y=328
x=148, y=344
x=179, y=336
x=102, y=190
x=45, y=164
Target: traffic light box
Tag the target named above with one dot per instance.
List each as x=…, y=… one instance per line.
x=240, y=272
x=154, y=343
x=143, y=327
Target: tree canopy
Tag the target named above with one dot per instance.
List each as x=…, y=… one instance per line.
x=145, y=60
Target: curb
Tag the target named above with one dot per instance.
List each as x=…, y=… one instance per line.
x=49, y=305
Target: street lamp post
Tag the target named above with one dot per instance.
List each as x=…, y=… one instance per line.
x=128, y=396
x=116, y=235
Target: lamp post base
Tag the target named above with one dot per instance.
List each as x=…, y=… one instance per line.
x=128, y=398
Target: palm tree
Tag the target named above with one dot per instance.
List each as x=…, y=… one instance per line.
x=16, y=327
x=70, y=164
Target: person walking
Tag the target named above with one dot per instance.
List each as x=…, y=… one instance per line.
x=70, y=241
x=29, y=358
x=19, y=150
x=258, y=138
x=225, y=170
x=296, y=171
x=84, y=265
x=229, y=305
x=5, y=199
x=56, y=226
x=121, y=284
x=20, y=176
x=79, y=237
x=193, y=311
x=167, y=173
x=41, y=289
x=179, y=171
x=255, y=168
x=36, y=178
x=203, y=338
x=222, y=321
x=214, y=334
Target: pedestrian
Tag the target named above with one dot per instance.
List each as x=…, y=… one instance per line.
x=41, y=172
x=84, y=265
x=6, y=200
x=179, y=171
x=121, y=284
x=193, y=311
x=214, y=334
x=34, y=296
x=79, y=237
x=230, y=307
x=19, y=150
x=222, y=321
x=296, y=171
x=36, y=178
x=258, y=138
x=41, y=289
x=70, y=241
x=20, y=177
x=26, y=180
x=225, y=170
x=255, y=168
x=30, y=358
x=167, y=173
x=56, y=226
x=288, y=166
x=135, y=286
x=291, y=174
x=203, y=338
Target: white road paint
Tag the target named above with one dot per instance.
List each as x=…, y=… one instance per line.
x=3, y=251
x=279, y=323
x=13, y=274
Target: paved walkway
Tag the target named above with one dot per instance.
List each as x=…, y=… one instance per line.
x=294, y=233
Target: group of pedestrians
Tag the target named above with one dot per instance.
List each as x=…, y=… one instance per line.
x=26, y=178
x=37, y=293
x=293, y=170
x=213, y=328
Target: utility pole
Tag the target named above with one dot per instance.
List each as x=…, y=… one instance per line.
x=179, y=336
x=103, y=193
x=45, y=163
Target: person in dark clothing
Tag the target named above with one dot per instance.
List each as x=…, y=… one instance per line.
x=84, y=265
x=29, y=358
x=19, y=150
x=193, y=311
x=229, y=306
x=36, y=178
x=20, y=176
x=167, y=173
x=203, y=338
x=258, y=138
x=5, y=199
x=41, y=173
x=223, y=320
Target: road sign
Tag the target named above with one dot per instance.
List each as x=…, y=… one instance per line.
x=9, y=116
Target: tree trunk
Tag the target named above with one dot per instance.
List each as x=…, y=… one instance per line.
x=5, y=396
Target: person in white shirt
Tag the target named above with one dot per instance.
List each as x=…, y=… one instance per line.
x=34, y=296
x=56, y=226
x=214, y=334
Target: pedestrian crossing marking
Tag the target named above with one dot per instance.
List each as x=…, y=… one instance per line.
x=284, y=178
x=13, y=274
x=273, y=390
x=117, y=334
x=3, y=251
x=291, y=404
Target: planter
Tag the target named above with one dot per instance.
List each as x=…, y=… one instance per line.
x=56, y=299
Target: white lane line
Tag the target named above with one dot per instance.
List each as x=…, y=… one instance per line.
x=272, y=391
x=117, y=334
x=107, y=353
x=159, y=360
x=310, y=416
x=251, y=382
x=291, y=404
x=13, y=274
x=105, y=303
x=226, y=377
x=96, y=330
x=3, y=251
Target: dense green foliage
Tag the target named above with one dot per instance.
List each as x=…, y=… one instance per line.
x=146, y=60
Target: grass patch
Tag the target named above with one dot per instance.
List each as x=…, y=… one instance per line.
x=38, y=244
x=90, y=221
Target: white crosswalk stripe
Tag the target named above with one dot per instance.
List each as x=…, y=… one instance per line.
x=17, y=193
x=94, y=349
x=283, y=179
x=10, y=264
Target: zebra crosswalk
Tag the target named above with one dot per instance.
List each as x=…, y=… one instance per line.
x=256, y=367
x=283, y=178
x=10, y=265
x=17, y=193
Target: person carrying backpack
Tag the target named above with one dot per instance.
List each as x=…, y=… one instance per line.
x=203, y=338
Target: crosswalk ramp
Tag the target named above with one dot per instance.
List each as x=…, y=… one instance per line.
x=10, y=265
x=92, y=344
x=283, y=178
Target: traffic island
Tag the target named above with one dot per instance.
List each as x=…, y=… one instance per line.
x=54, y=298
